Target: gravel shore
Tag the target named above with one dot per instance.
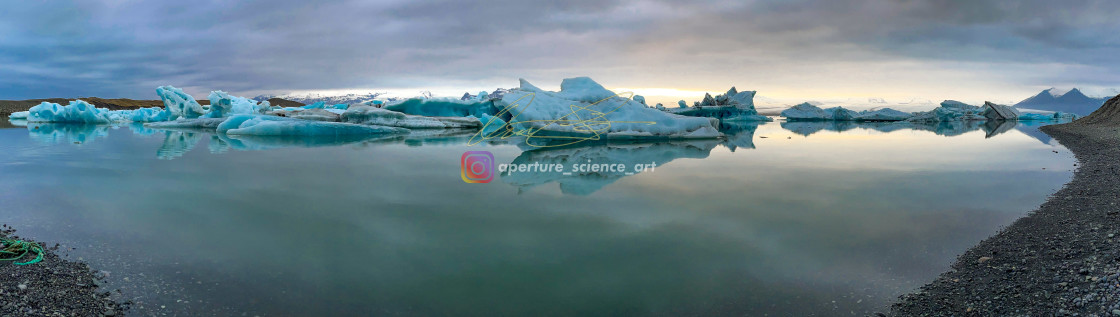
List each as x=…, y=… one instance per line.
x=1062, y=259
x=53, y=287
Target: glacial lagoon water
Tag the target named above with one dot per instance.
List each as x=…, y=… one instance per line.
x=782, y=218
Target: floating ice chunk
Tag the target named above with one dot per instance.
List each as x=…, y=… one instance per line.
x=733, y=105
x=179, y=103
x=77, y=111
x=382, y=117
x=640, y=99
x=841, y=114
x=21, y=115
x=315, y=114
x=805, y=112
x=583, y=109
x=317, y=105
x=999, y=112
x=443, y=107
x=272, y=125
x=682, y=104
x=950, y=110
x=222, y=105
x=885, y=114
x=152, y=114
x=341, y=106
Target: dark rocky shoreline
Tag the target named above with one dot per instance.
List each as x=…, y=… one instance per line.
x=1062, y=259
x=53, y=287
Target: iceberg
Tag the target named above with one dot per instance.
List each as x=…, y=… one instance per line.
x=179, y=103
x=317, y=105
x=733, y=105
x=950, y=110
x=885, y=114
x=77, y=111
x=999, y=112
x=21, y=115
x=222, y=105
x=152, y=114
x=444, y=107
x=381, y=117
x=314, y=114
x=583, y=110
x=281, y=126
x=809, y=112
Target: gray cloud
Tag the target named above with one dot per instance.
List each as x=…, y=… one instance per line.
x=115, y=48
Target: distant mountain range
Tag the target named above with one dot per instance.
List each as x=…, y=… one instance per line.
x=1072, y=101
x=311, y=98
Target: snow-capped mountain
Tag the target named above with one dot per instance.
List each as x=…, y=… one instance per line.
x=1071, y=101
x=330, y=99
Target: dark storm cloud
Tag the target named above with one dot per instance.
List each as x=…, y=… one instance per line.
x=122, y=48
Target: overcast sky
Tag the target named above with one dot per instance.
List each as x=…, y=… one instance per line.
x=808, y=49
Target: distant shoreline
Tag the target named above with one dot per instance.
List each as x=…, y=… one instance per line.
x=1061, y=259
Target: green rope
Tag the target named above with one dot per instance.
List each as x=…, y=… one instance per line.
x=12, y=250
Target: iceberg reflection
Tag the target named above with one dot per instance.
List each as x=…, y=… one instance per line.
x=587, y=169
x=76, y=133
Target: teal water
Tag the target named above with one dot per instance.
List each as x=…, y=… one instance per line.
x=780, y=219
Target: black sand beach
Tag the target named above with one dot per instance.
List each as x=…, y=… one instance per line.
x=53, y=287
x=1062, y=259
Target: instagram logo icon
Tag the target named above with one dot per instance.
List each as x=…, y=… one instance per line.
x=477, y=166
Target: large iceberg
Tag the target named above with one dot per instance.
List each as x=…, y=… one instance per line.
x=179, y=103
x=999, y=112
x=281, y=126
x=382, y=117
x=808, y=112
x=885, y=114
x=152, y=114
x=77, y=111
x=222, y=104
x=584, y=110
x=733, y=105
x=445, y=107
x=950, y=110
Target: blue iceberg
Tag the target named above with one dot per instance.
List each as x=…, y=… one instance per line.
x=77, y=111
x=179, y=103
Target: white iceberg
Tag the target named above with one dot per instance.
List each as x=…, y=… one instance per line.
x=281, y=126
x=179, y=103
x=583, y=109
x=77, y=111
x=21, y=115
x=382, y=117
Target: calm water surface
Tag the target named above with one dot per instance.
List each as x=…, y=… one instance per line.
x=784, y=218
